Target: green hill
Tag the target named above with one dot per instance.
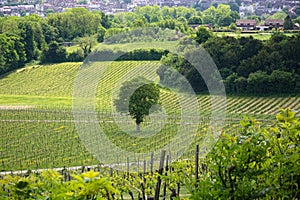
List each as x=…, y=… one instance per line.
x=52, y=85
x=38, y=128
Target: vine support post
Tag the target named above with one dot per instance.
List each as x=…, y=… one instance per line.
x=144, y=169
x=128, y=167
x=160, y=171
x=166, y=173
x=144, y=181
x=111, y=171
x=151, y=163
x=197, y=164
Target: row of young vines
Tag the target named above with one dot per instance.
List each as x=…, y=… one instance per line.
x=253, y=161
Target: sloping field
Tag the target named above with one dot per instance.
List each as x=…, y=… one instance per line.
x=52, y=85
x=37, y=126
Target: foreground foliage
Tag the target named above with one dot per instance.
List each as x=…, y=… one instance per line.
x=254, y=162
x=49, y=185
x=247, y=65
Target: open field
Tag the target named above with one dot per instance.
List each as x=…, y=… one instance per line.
x=170, y=45
x=38, y=129
x=259, y=36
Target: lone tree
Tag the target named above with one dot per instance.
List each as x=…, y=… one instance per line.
x=137, y=97
x=288, y=23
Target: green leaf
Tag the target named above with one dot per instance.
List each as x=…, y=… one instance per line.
x=91, y=174
x=286, y=115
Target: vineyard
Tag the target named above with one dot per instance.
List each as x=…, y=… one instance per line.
x=248, y=165
x=39, y=128
x=41, y=132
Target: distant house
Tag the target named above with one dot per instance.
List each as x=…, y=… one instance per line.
x=274, y=23
x=246, y=24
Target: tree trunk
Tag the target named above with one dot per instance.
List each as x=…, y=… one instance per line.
x=138, y=127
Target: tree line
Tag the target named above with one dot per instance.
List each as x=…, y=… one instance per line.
x=247, y=65
x=33, y=38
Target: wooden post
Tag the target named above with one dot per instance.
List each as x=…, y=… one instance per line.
x=64, y=173
x=144, y=182
x=151, y=163
x=128, y=168
x=111, y=172
x=178, y=190
x=166, y=173
x=160, y=171
x=197, y=164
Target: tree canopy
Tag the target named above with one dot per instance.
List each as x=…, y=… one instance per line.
x=137, y=97
x=247, y=65
x=288, y=23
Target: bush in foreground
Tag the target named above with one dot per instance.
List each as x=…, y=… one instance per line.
x=255, y=162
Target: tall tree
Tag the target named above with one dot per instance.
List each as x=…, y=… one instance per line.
x=101, y=33
x=27, y=35
x=76, y=22
x=137, y=96
x=288, y=23
x=12, y=53
x=54, y=53
x=209, y=15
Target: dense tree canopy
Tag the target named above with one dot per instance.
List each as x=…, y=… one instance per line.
x=76, y=22
x=39, y=38
x=221, y=16
x=37, y=34
x=288, y=23
x=54, y=53
x=202, y=35
x=137, y=97
x=247, y=65
x=12, y=53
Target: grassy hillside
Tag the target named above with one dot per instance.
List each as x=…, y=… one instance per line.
x=41, y=80
x=38, y=128
x=52, y=85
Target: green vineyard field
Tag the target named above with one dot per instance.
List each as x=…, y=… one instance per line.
x=38, y=129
